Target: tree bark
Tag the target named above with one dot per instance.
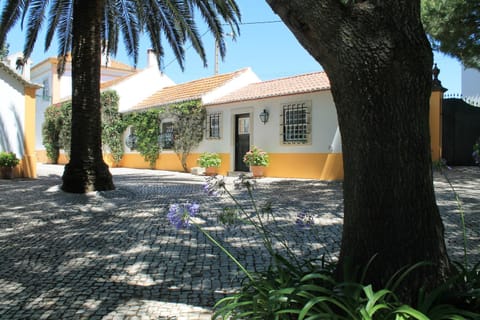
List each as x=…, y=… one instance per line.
x=86, y=170
x=379, y=64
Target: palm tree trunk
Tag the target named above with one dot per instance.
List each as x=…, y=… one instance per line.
x=86, y=170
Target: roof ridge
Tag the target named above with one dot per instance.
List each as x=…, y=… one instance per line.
x=294, y=76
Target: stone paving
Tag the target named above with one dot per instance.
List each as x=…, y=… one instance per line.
x=114, y=255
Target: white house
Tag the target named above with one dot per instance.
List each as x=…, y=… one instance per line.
x=17, y=116
x=132, y=85
x=293, y=119
x=206, y=90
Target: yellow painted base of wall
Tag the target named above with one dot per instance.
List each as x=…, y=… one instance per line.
x=320, y=166
x=169, y=162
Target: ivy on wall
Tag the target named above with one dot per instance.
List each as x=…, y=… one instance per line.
x=146, y=128
x=188, y=126
x=56, y=129
x=113, y=125
x=51, y=132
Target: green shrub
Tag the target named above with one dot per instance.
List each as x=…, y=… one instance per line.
x=8, y=159
x=208, y=159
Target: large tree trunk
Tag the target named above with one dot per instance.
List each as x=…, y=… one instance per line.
x=86, y=170
x=379, y=64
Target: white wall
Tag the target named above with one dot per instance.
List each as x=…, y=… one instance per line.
x=39, y=75
x=12, y=114
x=136, y=88
x=325, y=134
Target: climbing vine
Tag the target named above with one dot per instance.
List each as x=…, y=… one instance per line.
x=146, y=128
x=113, y=125
x=51, y=131
x=56, y=129
x=188, y=120
x=188, y=128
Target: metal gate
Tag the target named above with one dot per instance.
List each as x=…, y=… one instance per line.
x=460, y=130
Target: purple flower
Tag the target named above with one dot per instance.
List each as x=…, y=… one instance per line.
x=179, y=215
x=214, y=186
x=304, y=220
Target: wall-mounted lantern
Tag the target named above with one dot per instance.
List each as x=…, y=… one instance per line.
x=264, y=116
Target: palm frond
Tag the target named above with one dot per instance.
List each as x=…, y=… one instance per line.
x=10, y=14
x=36, y=16
x=129, y=25
x=65, y=34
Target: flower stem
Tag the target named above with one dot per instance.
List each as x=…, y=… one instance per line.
x=219, y=245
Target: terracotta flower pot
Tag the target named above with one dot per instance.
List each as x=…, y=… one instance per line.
x=210, y=171
x=257, y=171
x=6, y=172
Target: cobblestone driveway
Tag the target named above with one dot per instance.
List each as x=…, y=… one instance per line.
x=113, y=255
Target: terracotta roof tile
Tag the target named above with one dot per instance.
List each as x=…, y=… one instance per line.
x=186, y=91
x=304, y=83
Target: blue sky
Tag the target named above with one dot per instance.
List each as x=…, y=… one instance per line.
x=265, y=45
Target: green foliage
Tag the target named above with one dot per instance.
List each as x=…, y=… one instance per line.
x=65, y=135
x=453, y=26
x=113, y=125
x=8, y=159
x=293, y=288
x=146, y=125
x=209, y=159
x=56, y=129
x=4, y=50
x=188, y=128
x=51, y=131
x=256, y=157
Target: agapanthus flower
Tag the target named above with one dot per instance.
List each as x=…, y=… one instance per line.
x=180, y=215
x=304, y=220
x=214, y=186
x=243, y=181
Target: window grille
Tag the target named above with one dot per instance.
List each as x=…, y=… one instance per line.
x=213, y=125
x=166, y=138
x=296, y=123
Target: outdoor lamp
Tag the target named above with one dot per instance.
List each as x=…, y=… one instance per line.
x=264, y=116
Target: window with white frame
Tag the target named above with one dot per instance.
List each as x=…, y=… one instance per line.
x=45, y=90
x=166, y=136
x=296, y=122
x=214, y=125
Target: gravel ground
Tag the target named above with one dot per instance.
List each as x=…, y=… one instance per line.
x=114, y=255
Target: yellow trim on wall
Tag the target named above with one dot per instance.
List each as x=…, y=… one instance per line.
x=436, y=124
x=321, y=166
x=28, y=164
x=168, y=161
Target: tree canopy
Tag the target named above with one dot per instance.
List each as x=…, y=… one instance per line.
x=453, y=27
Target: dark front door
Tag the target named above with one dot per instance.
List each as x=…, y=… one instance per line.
x=242, y=140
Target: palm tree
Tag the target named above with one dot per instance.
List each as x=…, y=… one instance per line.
x=86, y=28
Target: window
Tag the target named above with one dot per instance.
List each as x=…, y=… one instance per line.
x=166, y=138
x=45, y=90
x=213, y=125
x=296, y=123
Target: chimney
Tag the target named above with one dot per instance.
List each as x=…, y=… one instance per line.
x=152, y=59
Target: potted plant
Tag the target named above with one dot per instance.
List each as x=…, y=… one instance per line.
x=257, y=160
x=8, y=160
x=210, y=161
